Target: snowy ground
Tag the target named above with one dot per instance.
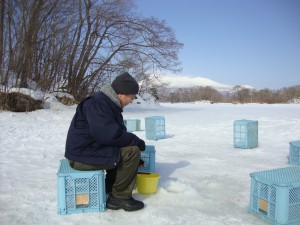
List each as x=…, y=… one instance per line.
x=204, y=179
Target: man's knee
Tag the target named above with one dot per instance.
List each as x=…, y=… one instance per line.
x=131, y=153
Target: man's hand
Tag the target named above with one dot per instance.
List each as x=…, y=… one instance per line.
x=142, y=163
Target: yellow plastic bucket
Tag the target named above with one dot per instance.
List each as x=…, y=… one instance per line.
x=146, y=183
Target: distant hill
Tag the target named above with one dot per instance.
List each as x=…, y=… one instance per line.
x=176, y=82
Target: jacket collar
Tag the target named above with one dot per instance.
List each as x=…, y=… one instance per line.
x=110, y=92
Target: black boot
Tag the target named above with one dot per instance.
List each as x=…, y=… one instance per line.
x=126, y=204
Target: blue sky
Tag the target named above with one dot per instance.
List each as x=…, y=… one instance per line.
x=246, y=42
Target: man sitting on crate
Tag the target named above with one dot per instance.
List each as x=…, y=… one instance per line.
x=97, y=140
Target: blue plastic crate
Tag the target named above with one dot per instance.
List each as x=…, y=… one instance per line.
x=294, y=156
x=132, y=124
x=275, y=195
x=148, y=156
x=245, y=134
x=155, y=127
x=80, y=191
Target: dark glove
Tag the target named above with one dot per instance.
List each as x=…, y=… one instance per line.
x=142, y=163
x=141, y=144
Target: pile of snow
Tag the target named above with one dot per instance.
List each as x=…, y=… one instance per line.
x=51, y=102
x=204, y=102
x=38, y=95
x=294, y=101
x=146, y=98
x=49, y=99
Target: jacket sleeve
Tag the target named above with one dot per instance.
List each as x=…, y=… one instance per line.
x=105, y=128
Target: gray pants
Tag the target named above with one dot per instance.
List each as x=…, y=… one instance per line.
x=121, y=179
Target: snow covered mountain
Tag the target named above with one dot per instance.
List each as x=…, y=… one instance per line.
x=176, y=82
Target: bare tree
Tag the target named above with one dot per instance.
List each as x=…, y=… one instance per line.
x=2, y=11
x=290, y=93
x=243, y=95
x=109, y=39
x=29, y=27
x=80, y=45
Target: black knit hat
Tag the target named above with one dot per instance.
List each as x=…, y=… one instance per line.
x=125, y=84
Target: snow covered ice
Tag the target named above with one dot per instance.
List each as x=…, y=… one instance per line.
x=204, y=179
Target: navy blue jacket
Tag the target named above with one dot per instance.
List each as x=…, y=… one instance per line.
x=97, y=132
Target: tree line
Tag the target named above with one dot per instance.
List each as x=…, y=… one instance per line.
x=79, y=45
x=238, y=95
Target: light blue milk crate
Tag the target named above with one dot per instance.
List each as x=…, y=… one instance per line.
x=80, y=191
x=245, y=134
x=155, y=127
x=294, y=156
x=275, y=195
x=148, y=156
x=132, y=124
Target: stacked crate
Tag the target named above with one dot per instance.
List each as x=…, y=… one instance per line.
x=275, y=195
x=245, y=133
x=132, y=124
x=148, y=156
x=155, y=127
x=294, y=156
x=80, y=191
